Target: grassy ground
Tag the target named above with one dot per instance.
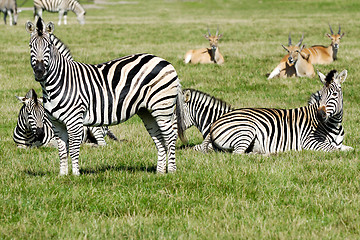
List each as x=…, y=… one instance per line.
x=293, y=195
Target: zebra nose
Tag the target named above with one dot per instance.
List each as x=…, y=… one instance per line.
x=39, y=69
x=40, y=134
x=321, y=113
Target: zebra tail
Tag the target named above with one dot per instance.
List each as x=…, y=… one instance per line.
x=111, y=135
x=180, y=115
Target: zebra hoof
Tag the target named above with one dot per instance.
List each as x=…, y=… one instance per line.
x=76, y=172
x=63, y=172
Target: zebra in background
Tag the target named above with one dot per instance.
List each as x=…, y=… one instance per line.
x=34, y=129
x=61, y=6
x=77, y=94
x=201, y=110
x=264, y=130
x=9, y=7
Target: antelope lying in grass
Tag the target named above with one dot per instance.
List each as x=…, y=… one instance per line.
x=300, y=60
x=206, y=55
x=286, y=68
x=325, y=55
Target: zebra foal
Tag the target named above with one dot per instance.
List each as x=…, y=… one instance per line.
x=9, y=7
x=264, y=130
x=61, y=6
x=34, y=129
x=201, y=110
x=77, y=94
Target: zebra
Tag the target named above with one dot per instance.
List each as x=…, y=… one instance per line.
x=201, y=110
x=61, y=6
x=264, y=130
x=9, y=7
x=77, y=94
x=34, y=129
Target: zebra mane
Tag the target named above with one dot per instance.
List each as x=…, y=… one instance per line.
x=330, y=77
x=61, y=47
x=207, y=96
x=32, y=95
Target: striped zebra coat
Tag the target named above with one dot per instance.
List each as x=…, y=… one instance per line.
x=9, y=7
x=77, y=94
x=34, y=129
x=61, y=6
x=201, y=110
x=264, y=130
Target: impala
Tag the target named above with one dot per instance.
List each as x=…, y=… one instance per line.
x=286, y=68
x=206, y=55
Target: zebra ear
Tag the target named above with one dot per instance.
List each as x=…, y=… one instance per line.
x=321, y=76
x=187, y=95
x=22, y=99
x=30, y=27
x=341, y=77
x=50, y=27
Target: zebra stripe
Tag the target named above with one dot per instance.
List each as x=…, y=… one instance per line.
x=61, y=6
x=263, y=130
x=77, y=94
x=201, y=110
x=34, y=129
x=9, y=7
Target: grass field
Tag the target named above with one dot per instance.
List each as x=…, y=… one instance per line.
x=293, y=195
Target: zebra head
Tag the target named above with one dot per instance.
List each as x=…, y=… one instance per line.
x=34, y=114
x=331, y=101
x=40, y=47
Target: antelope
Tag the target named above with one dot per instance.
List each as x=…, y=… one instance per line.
x=325, y=55
x=206, y=55
x=286, y=68
x=300, y=60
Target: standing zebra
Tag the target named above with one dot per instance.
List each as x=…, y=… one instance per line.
x=9, y=7
x=34, y=129
x=201, y=110
x=264, y=130
x=61, y=6
x=77, y=94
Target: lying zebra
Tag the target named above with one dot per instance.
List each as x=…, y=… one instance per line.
x=264, y=130
x=34, y=129
x=9, y=7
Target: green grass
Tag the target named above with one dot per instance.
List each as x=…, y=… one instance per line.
x=293, y=195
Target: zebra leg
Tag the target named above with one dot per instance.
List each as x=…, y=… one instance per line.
x=75, y=131
x=65, y=17
x=61, y=13
x=5, y=14
x=170, y=135
x=346, y=148
x=10, y=17
x=153, y=129
x=62, y=137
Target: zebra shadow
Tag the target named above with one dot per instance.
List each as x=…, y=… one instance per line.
x=36, y=173
x=120, y=168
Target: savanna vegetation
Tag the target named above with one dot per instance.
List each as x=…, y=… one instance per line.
x=292, y=195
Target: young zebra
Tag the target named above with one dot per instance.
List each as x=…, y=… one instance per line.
x=34, y=129
x=201, y=110
x=61, y=6
x=9, y=7
x=77, y=94
x=264, y=130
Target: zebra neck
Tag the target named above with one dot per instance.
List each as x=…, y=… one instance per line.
x=77, y=8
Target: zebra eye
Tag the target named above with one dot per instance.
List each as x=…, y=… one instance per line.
x=335, y=94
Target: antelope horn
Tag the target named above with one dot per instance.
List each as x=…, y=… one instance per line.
x=217, y=31
x=289, y=40
x=209, y=31
x=300, y=42
x=331, y=29
x=339, y=29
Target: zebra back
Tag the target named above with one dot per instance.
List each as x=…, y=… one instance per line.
x=314, y=98
x=202, y=109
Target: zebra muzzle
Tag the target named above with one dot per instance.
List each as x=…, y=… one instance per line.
x=40, y=134
x=321, y=114
x=39, y=69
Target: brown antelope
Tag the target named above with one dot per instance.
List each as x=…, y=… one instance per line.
x=300, y=60
x=206, y=55
x=285, y=67
x=325, y=55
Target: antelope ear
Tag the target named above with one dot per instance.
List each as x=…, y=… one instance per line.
x=329, y=36
x=285, y=48
x=342, y=35
x=322, y=77
x=220, y=36
x=30, y=27
x=50, y=27
x=341, y=77
x=206, y=36
x=187, y=96
x=22, y=99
